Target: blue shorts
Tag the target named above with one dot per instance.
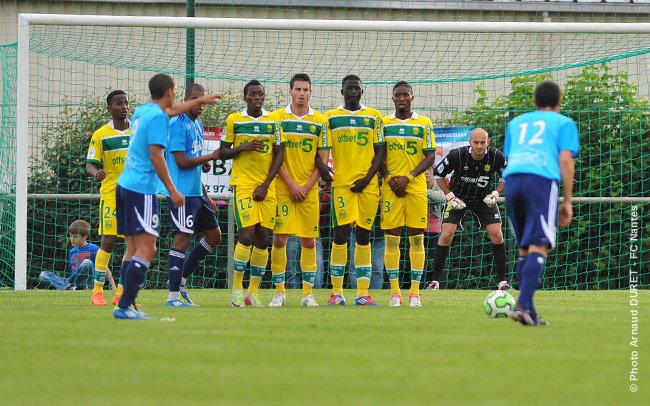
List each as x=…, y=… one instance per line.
x=196, y=215
x=137, y=213
x=531, y=204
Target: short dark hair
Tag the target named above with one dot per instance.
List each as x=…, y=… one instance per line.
x=402, y=83
x=299, y=77
x=253, y=82
x=111, y=95
x=159, y=84
x=547, y=94
x=79, y=227
x=350, y=77
x=193, y=87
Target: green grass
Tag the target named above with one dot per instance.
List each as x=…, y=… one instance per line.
x=57, y=349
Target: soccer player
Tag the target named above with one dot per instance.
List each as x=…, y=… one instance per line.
x=305, y=133
x=410, y=151
x=137, y=205
x=254, y=143
x=358, y=151
x=185, y=162
x=540, y=147
x=107, y=149
x=473, y=168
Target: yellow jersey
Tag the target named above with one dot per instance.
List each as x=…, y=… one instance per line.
x=352, y=137
x=250, y=168
x=406, y=142
x=302, y=136
x=108, y=147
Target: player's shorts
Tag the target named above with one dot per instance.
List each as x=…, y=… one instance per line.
x=248, y=212
x=531, y=202
x=410, y=210
x=137, y=213
x=484, y=215
x=197, y=215
x=108, y=217
x=359, y=208
x=297, y=218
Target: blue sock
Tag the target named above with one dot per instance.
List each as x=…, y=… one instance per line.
x=520, y=264
x=197, y=255
x=136, y=274
x=531, y=272
x=175, y=268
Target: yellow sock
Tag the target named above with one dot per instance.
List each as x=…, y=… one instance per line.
x=338, y=259
x=241, y=256
x=101, y=266
x=259, y=259
x=119, y=290
x=363, y=266
x=417, y=257
x=278, y=268
x=391, y=260
x=308, y=266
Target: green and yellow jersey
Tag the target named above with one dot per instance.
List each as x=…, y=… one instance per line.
x=352, y=137
x=406, y=142
x=250, y=168
x=108, y=147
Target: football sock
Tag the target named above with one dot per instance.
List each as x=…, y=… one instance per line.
x=531, y=273
x=135, y=277
x=120, y=284
x=363, y=266
x=499, y=251
x=259, y=260
x=416, y=255
x=520, y=264
x=197, y=255
x=175, y=268
x=240, y=258
x=308, y=266
x=278, y=268
x=439, y=259
x=391, y=261
x=101, y=266
x=338, y=259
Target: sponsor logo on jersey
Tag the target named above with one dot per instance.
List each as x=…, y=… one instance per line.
x=366, y=121
x=487, y=168
x=416, y=131
x=299, y=127
x=353, y=121
x=125, y=141
x=256, y=128
x=312, y=129
x=269, y=128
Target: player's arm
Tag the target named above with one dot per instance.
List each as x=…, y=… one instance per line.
x=445, y=167
x=324, y=170
x=278, y=155
x=295, y=191
x=179, y=108
x=226, y=150
x=157, y=156
x=567, y=169
x=93, y=170
x=377, y=161
x=188, y=162
x=491, y=199
x=398, y=184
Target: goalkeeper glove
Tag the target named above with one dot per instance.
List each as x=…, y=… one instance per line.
x=454, y=202
x=491, y=199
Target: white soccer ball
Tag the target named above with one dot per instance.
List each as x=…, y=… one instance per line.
x=499, y=304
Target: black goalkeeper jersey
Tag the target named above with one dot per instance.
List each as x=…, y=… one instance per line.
x=471, y=180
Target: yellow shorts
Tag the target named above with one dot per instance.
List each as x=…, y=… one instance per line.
x=410, y=210
x=359, y=208
x=297, y=218
x=248, y=212
x=107, y=218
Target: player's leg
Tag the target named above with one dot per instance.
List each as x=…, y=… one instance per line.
x=279, y=267
x=442, y=249
x=308, y=268
x=416, y=220
x=391, y=261
x=367, y=206
x=259, y=259
x=499, y=252
x=101, y=268
x=175, y=263
x=246, y=218
x=344, y=212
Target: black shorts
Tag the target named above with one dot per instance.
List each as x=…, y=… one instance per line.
x=197, y=215
x=484, y=215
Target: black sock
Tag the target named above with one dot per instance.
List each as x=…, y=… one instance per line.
x=439, y=259
x=499, y=251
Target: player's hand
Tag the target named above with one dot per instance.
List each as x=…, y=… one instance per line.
x=206, y=167
x=100, y=175
x=260, y=192
x=359, y=185
x=177, y=198
x=454, y=202
x=491, y=199
x=210, y=99
x=296, y=192
x=324, y=170
x=255, y=145
x=566, y=214
x=398, y=185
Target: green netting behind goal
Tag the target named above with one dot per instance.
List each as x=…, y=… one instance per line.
x=459, y=79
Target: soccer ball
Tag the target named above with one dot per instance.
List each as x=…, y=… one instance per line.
x=499, y=304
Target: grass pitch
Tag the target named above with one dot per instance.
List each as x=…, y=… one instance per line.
x=57, y=349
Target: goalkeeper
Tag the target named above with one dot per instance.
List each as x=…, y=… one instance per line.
x=473, y=168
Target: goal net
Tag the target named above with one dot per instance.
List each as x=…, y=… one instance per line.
x=464, y=75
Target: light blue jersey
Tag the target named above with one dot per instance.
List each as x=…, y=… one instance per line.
x=534, y=141
x=149, y=126
x=187, y=136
